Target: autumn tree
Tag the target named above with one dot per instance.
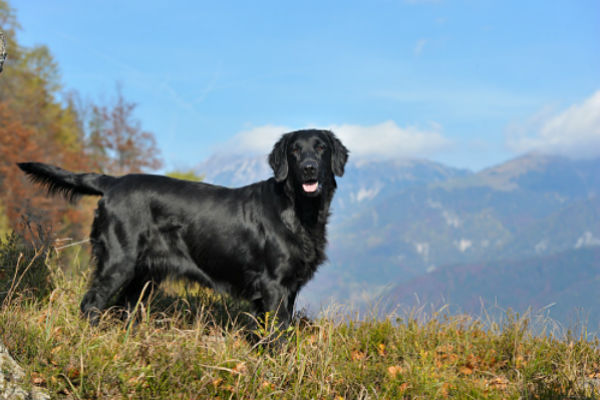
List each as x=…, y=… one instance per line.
x=39, y=122
x=34, y=125
x=115, y=141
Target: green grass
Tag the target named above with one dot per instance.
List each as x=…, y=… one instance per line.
x=188, y=343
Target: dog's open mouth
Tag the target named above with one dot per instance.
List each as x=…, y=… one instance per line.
x=311, y=186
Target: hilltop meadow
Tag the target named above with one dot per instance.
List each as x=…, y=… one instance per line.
x=190, y=343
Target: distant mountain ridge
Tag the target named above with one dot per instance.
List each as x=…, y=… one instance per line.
x=234, y=170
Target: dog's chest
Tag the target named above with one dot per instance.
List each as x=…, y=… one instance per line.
x=307, y=242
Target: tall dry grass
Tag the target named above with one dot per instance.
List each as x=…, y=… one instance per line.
x=189, y=343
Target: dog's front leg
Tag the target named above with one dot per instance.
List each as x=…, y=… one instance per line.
x=274, y=301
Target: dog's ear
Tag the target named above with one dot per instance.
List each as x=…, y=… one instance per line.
x=339, y=154
x=278, y=159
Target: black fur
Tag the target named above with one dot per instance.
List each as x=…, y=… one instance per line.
x=60, y=182
x=262, y=242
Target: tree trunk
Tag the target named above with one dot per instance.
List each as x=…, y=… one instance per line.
x=2, y=50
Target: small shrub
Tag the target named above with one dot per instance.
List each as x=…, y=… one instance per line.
x=23, y=269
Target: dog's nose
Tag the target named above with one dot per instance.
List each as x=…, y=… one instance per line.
x=310, y=168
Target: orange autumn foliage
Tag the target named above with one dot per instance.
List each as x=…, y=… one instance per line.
x=41, y=122
x=19, y=197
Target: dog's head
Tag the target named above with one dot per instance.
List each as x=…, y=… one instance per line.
x=310, y=158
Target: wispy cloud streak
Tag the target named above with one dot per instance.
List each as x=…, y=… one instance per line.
x=574, y=132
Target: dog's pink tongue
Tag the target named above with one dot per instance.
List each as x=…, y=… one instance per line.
x=310, y=187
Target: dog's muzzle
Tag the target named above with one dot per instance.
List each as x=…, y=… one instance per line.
x=310, y=169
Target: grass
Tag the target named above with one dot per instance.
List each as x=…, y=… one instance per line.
x=188, y=343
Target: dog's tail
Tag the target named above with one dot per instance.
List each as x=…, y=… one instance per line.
x=68, y=184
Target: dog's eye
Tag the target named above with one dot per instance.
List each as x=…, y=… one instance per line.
x=320, y=147
x=296, y=151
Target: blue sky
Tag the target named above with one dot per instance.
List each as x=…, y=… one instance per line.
x=466, y=83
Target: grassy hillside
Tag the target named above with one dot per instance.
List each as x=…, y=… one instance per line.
x=186, y=344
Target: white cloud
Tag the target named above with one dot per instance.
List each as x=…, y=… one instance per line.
x=420, y=46
x=574, y=132
x=258, y=140
x=386, y=140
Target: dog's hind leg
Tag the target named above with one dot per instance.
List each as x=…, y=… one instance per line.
x=138, y=289
x=106, y=283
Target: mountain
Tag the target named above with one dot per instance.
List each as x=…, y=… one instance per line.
x=564, y=285
x=362, y=182
x=397, y=221
x=234, y=170
x=533, y=205
x=547, y=173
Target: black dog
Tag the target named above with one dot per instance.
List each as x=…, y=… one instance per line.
x=262, y=242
